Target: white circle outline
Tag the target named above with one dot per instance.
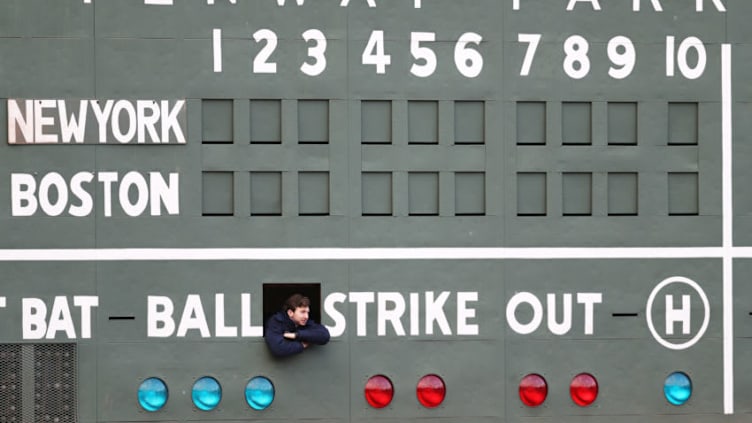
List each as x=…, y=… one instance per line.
x=649, y=313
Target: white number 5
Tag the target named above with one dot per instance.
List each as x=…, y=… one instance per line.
x=429, y=67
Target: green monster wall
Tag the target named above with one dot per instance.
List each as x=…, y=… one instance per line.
x=476, y=190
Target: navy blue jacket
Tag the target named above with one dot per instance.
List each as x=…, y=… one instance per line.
x=280, y=346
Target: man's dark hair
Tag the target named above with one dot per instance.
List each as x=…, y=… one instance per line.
x=295, y=301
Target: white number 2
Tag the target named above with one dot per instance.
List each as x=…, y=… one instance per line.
x=260, y=63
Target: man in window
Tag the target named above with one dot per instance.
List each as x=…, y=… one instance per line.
x=290, y=331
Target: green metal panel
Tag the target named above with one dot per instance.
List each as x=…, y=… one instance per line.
x=292, y=178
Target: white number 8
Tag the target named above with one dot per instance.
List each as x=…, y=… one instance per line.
x=576, y=49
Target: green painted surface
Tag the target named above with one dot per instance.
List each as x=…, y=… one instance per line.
x=352, y=158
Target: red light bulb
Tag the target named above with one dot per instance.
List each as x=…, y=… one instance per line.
x=431, y=391
x=533, y=390
x=379, y=391
x=583, y=389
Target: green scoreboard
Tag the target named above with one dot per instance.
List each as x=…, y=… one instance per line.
x=502, y=210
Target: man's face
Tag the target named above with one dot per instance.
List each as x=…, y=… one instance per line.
x=299, y=316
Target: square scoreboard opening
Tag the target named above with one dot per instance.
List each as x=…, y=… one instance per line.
x=275, y=295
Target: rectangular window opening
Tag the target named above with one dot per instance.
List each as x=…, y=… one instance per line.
x=577, y=194
x=217, y=121
x=623, y=198
x=531, y=194
x=376, y=193
x=470, y=194
x=531, y=123
x=469, y=122
x=313, y=122
x=622, y=123
x=217, y=193
x=266, y=121
x=275, y=295
x=376, y=122
x=266, y=193
x=683, y=123
x=683, y=194
x=423, y=193
x=576, y=123
x=313, y=193
x=423, y=122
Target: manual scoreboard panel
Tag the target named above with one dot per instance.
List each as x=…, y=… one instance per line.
x=480, y=191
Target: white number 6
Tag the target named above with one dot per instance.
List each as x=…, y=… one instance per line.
x=468, y=61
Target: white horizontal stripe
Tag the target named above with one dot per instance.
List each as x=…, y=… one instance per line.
x=130, y=254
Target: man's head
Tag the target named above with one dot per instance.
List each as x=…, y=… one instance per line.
x=298, y=307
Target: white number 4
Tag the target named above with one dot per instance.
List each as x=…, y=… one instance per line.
x=373, y=54
x=533, y=40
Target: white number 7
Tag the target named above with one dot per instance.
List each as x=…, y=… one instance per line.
x=532, y=40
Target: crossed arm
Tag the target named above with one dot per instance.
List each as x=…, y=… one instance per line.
x=290, y=343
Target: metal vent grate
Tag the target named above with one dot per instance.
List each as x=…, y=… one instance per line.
x=55, y=383
x=38, y=383
x=10, y=383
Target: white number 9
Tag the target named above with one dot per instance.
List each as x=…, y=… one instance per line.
x=625, y=61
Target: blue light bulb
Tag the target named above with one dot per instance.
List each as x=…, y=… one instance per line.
x=259, y=393
x=677, y=388
x=152, y=394
x=207, y=393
